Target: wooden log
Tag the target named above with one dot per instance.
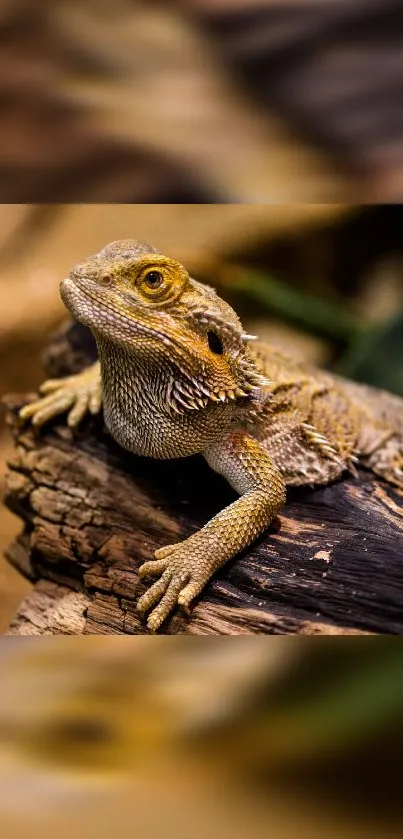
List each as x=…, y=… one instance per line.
x=92, y=513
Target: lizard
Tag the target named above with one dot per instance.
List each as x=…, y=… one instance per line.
x=177, y=375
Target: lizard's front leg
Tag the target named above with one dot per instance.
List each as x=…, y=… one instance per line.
x=185, y=568
x=74, y=394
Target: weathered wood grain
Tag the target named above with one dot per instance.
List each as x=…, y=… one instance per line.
x=331, y=564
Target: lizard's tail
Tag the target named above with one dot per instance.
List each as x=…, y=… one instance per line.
x=387, y=461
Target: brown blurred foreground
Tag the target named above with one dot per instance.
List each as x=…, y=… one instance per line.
x=278, y=738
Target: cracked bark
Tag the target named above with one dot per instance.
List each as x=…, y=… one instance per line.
x=92, y=513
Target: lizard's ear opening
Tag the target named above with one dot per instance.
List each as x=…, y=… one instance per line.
x=215, y=343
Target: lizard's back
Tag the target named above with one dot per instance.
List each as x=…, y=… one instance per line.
x=316, y=424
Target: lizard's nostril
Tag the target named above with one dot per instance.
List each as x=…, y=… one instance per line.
x=105, y=280
x=215, y=343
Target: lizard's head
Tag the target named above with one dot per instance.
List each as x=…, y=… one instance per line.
x=134, y=297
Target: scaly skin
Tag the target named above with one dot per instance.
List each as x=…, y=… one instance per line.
x=178, y=376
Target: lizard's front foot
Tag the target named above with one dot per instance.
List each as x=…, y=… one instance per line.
x=185, y=570
x=74, y=394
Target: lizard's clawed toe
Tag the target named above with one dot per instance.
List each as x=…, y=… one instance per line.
x=189, y=593
x=153, y=594
x=42, y=410
x=167, y=550
x=49, y=386
x=153, y=568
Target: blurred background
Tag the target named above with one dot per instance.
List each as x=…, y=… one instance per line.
x=201, y=100
x=284, y=738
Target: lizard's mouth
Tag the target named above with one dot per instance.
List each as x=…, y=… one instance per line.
x=88, y=304
x=74, y=298
x=94, y=308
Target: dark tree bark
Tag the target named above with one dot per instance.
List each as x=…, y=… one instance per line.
x=92, y=513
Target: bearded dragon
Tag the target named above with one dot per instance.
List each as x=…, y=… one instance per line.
x=177, y=375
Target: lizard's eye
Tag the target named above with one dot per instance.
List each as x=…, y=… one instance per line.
x=159, y=281
x=154, y=279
